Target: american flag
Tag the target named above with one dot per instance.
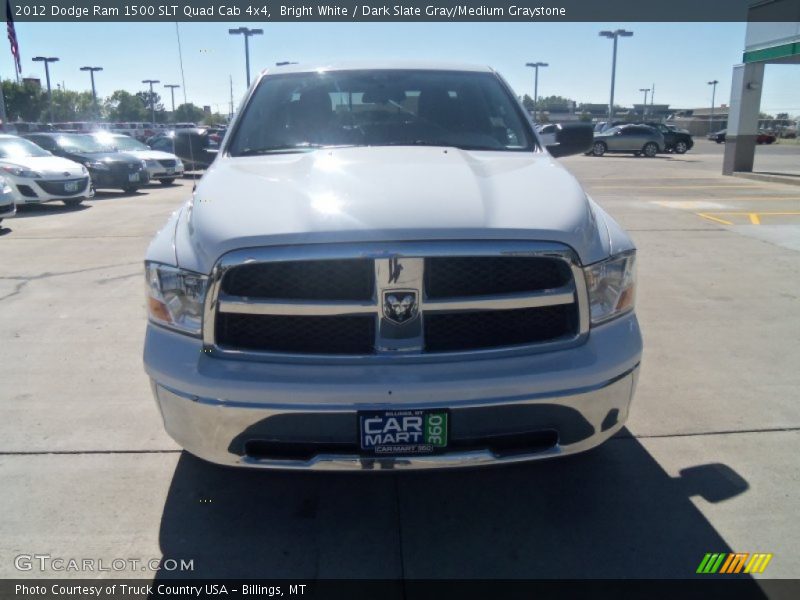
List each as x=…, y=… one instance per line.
x=12, y=36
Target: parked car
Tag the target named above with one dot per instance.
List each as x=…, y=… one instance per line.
x=676, y=140
x=765, y=137
x=163, y=166
x=108, y=169
x=384, y=269
x=547, y=133
x=718, y=136
x=8, y=207
x=636, y=139
x=36, y=176
x=195, y=147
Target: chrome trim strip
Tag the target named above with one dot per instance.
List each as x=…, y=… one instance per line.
x=565, y=295
x=301, y=308
x=386, y=250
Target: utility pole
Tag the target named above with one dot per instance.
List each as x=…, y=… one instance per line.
x=230, y=115
x=644, y=106
x=535, y=66
x=172, y=87
x=614, y=35
x=92, y=71
x=152, y=98
x=713, y=85
x=247, y=33
x=47, y=60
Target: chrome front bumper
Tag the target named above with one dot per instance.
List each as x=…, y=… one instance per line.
x=212, y=407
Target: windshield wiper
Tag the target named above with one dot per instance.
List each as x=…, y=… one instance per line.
x=288, y=149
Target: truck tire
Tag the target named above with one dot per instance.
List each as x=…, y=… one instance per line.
x=680, y=147
x=130, y=189
x=167, y=181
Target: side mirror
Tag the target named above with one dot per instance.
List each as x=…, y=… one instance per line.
x=571, y=138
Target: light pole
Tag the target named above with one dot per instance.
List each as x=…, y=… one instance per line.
x=644, y=106
x=535, y=66
x=152, y=98
x=614, y=35
x=246, y=32
x=47, y=60
x=172, y=87
x=92, y=71
x=713, y=85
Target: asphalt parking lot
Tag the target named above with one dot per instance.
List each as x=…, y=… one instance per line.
x=707, y=463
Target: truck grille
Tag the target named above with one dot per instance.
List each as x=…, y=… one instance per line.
x=314, y=301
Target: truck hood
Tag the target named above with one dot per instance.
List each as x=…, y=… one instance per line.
x=383, y=194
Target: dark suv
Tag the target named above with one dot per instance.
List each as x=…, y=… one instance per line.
x=676, y=140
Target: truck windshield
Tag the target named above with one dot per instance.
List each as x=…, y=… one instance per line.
x=298, y=112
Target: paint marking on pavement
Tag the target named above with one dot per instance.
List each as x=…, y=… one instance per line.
x=754, y=217
x=710, y=218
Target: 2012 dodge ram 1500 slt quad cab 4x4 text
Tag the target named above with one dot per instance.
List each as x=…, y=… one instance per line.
x=384, y=268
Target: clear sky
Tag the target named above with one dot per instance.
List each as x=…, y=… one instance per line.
x=679, y=58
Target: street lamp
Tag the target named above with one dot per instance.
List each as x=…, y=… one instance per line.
x=535, y=66
x=92, y=71
x=614, y=35
x=713, y=85
x=644, y=106
x=246, y=32
x=172, y=87
x=47, y=60
x=152, y=98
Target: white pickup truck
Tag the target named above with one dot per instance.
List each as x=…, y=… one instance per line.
x=385, y=268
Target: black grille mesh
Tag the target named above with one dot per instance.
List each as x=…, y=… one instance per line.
x=57, y=188
x=486, y=275
x=453, y=332
x=306, y=335
x=350, y=279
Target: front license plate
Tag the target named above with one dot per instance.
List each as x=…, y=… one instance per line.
x=397, y=432
x=133, y=177
x=72, y=186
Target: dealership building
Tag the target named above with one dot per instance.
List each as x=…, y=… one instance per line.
x=771, y=39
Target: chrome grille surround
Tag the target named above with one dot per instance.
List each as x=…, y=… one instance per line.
x=386, y=255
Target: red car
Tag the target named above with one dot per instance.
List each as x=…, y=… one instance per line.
x=765, y=138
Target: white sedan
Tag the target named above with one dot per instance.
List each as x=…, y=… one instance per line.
x=163, y=166
x=36, y=176
x=7, y=206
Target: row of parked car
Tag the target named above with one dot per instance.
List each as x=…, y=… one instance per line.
x=640, y=139
x=68, y=167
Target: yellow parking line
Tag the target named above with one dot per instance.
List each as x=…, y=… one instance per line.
x=710, y=218
x=755, y=217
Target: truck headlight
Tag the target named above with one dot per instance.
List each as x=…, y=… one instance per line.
x=175, y=297
x=612, y=287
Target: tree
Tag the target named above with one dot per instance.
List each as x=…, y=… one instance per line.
x=527, y=102
x=24, y=101
x=160, y=111
x=556, y=103
x=188, y=113
x=71, y=106
x=124, y=106
x=215, y=119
